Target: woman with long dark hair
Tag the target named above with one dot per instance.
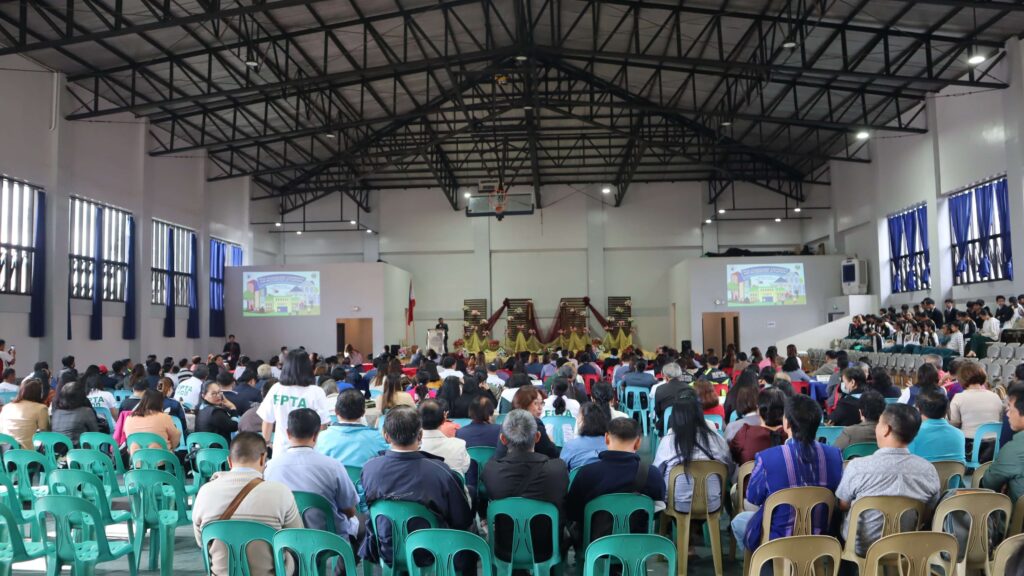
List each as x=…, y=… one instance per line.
x=589, y=440
x=296, y=389
x=602, y=394
x=148, y=416
x=801, y=461
x=690, y=439
x=745, y=379
x=880, y=381
x=450, y=391
x=749, y=440
x=394, y=392
x=73, y=413
x=471, y=391
x=560, y=402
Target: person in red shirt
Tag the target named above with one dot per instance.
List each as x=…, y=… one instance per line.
x=749, y=440
x=708, y=399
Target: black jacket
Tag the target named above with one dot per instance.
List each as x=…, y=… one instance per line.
x=544, y=446
x=215, y=419
x=847, y=412
x=615, y=472
x=526, y=475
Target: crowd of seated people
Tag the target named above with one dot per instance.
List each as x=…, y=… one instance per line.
x=303, y=423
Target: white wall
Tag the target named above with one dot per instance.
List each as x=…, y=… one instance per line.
x=699, y=284
x=349, y=290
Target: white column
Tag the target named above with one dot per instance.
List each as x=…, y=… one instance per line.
x=54, y=344
x=595, y=253
x=1013, y=112
x=938, y=218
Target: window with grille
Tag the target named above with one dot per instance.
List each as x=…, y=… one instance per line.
x=97, y=227
x=909, y=255
x=980, y=234
x=17, y=236
x=172, y=262
x=222, y=254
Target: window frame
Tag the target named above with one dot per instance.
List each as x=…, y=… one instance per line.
x=18, y=214
x=916, y=263
x=159, y=274
x=997, y=240
x=81, y=244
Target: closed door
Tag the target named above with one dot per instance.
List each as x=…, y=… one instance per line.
x=721, y=329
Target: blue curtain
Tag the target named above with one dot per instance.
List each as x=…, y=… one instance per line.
x=960, y=219
x=895, y=251
x=922, y=225
x=128, y=327
x=169, y=289
x=192, y=329
x=1003, y=209
x=37, y=302
x=983, y=201
x=236, y=255
x=910, y=233
x=217, y=320
x=96, y=320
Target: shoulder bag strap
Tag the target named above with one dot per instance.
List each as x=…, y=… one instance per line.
x=233, y=506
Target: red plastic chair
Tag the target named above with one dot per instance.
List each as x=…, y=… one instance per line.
x=802, y=387
x=589, y=380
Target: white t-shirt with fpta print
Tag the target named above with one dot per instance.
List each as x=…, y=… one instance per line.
x=102, y=399
x=280, y=402
x=187, y=391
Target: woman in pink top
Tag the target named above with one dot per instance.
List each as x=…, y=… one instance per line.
x=148, y=416
x=770, y=358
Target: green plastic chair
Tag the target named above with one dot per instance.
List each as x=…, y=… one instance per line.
x=13, y=548
x=481, y=455
x=462, y=421
x=8, y=442
x=859, y=450
x=70, y=512
x=208, y=462
x=106, y=444
x=88, y=486
x=54, y=445
x=12, y=501
x=158, y=507
x=633, y=551
x=236, y=535
x=99, y=464
x=145, y=440
x=206, y=440
x=157, y=459
x=355, y=474
x=313, y=550
x=621, y=507
x=443, y=544
x=23, y=464
x=310, y=501
x=829, y=433
x=521, y=511
x=399, y=514
x=556, y=425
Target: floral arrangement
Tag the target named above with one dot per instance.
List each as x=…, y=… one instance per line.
x=459, y=343
x=532, y=331
x=486, y=333
x=493, y=344
x=596, y=342
x=474, y=313
x=518, y=310
x=465, y=308
x=483, y=322
x=403, y=352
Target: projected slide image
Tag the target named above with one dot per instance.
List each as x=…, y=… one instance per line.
x=766, y=285
x=276, y=294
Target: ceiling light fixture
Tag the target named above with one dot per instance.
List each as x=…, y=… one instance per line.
x=528, y=107
x=726, y=123
x=252, y=63
x=797, y=209
x=368, y=231
x=789, y=44
x=521, y=58
x=330, y=135
x=298, y=232
x=466, y=195
x=721, y=210
x=708, y=221
x=352, y=222
x=606, y=190
x=863, y=135
x=778, y=219
x=277, y=224
x=976, y=59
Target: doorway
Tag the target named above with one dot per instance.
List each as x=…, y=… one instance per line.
x=721, y=329
x=355, y=331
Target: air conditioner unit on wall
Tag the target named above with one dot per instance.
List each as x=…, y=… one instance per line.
x=854, y=276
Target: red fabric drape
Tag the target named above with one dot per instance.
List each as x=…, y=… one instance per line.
x=531, y=321
x=558, y=324
x=597, y=315
x=489, y=326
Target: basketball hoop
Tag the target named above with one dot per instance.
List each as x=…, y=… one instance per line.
x=498, y=200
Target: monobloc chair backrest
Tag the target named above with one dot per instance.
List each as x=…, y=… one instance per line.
x=98, y=463
x=621, y=507
x=804, y=553
x=987, y=430
x=209, y=461
x=155, y=459
x=1007, y=550
x=557, y=425
x=399, y=514
x=149, y=498
x=980, y=506
x=895, y=511
x=829, y=433
x=313, y=550
x=310, y=501
x=633, y=551
x=699, y=471
x=81, y=484
x=202, y=440
x=235, y=535
x=70, y=512
x=10, y=537
x=859, y=450
x=917, y=551
x=144, y=440
x=106, y=444
x=804, y=500
x=949, y=469
x=522, y=511
x=443, y=544
x=742, y=481
x=54, y=445
x=22, y=465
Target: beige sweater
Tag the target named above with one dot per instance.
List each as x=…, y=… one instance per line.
x=270, y=503
x=23, y=419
